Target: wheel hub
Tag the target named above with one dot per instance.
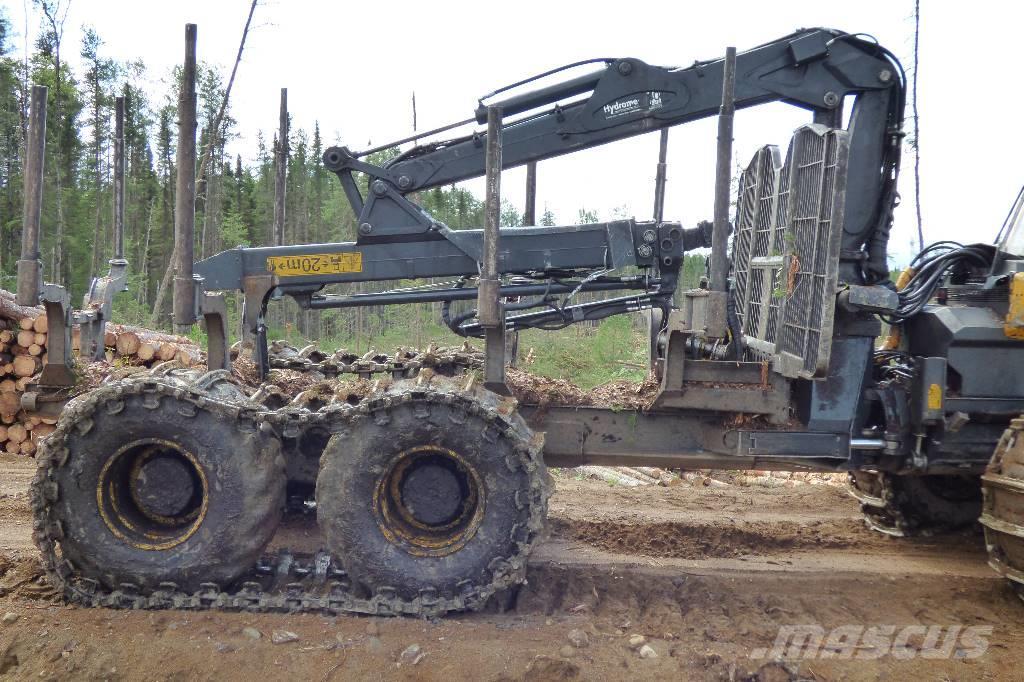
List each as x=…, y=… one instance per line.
x=430, y=501
x=152, y=494
x=431, y=494
x=162, y=485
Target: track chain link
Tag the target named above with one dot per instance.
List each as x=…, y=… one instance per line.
x=880, y=506
x=289, y=582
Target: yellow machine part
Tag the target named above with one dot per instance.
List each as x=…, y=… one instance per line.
x=1014, y=326
x=892, y=339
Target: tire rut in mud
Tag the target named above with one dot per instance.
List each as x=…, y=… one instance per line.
x=682, y=540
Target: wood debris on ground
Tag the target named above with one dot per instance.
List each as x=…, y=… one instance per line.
x=638, y=476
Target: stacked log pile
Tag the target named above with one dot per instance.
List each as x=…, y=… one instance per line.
x=23, y=343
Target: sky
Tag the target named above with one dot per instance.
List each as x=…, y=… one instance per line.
x=353, y=66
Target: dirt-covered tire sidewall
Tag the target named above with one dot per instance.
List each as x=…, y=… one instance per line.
x=350, y=472
x=246, y=487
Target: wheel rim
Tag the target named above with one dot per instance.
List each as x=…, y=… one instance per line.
x=430, y=501
x=152, y=494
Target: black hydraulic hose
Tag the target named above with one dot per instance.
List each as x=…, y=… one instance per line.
x=732, y=320
x=550, y=72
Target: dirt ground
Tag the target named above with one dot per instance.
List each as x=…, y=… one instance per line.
x=706, y=575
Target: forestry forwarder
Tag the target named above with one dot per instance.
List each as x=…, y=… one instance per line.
x=166, y=490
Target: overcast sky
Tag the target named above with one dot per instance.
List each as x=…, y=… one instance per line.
x=353, y=66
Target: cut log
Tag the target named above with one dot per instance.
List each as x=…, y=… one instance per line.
x=42, y=431
x=166, y=351
x=27, y=447
x=26, y=337
x=147, y=351
x=609, y=475
x=22, y=383
x=41, y=325
x=6, y=336
x=640, y=476
x=7, y=385
x=10, y=310
x=109, y=338
x=3, y=433
x=26, y=365
x=12, y=447
x=26, y=323
x=17, y=432
x=10, y=403
x=187, y=356
x=39, y=339
x=35, y=349
x=127, y=343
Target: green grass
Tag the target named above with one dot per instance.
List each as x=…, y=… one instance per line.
x=588, y=356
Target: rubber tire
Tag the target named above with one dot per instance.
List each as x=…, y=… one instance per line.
x=246, y=483
x=940, y=501
x=352, y=466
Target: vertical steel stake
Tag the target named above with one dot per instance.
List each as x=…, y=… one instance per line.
x=530, y=210
x=489, y=311
x=30, y=267
x=723, y=174
x=281, y=171
x=185, y=190
x=119, y=179
x=660, y=177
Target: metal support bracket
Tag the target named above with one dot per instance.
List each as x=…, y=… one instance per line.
x=214, y=310
x=60, y=366
x=97, y=307
x=256, y=290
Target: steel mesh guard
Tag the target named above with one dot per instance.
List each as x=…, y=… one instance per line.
x=786, y=250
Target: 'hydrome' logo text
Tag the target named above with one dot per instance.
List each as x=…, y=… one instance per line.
x=623, y=107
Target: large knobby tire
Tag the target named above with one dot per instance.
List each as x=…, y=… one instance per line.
x=1003, y=513
x=430, y=494
x=158, y=489
x=916, y=505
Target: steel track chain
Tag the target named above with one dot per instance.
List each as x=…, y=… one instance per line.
x=882, y=512
x=290, y=582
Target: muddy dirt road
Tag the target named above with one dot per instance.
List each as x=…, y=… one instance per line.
x=705, y=575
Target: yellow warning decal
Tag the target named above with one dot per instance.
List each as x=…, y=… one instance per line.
x=1014, y=326
x=315, y=264
x=934, y=397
